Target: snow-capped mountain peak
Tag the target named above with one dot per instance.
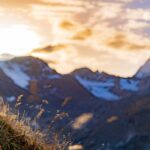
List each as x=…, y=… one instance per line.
x=106, y=86
x=144, y=71
x=21, y=70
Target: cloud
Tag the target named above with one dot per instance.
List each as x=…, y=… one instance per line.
x=18, y=3
x=83, y=35
x=85, y=55
x=121, y=41
x=67, y=25
x=118, y=41
x=49, y=49
x=100, y=34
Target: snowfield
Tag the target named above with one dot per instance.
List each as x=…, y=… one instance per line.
x=99, y=89
x=16, y=73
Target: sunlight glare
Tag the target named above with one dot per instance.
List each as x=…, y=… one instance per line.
x=17, y=40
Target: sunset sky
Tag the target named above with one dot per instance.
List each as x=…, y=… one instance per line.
x=105, y=35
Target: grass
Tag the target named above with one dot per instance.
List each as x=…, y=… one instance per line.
x=15, y=134
x=11, y=139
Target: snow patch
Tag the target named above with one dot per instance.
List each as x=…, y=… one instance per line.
x=99, y=89
x=15, y=72
x=127, y=84
x=144, y=71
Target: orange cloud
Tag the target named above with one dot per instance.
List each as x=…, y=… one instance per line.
x=120, y=41
x=49, y=49
x=83, y=35
x=67, y=25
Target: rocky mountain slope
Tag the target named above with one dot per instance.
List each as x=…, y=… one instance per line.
x=99, y=110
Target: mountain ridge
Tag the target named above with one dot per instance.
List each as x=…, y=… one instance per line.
x=23, y=70
x=13, y=58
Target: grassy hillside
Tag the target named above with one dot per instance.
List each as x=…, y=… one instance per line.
x=10, y=139
x=16, y=135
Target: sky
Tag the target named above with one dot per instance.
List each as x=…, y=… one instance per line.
x=106, y=35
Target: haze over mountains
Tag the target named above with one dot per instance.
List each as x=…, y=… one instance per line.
x=103, y=108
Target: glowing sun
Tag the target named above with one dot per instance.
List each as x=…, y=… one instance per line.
x=17, y=40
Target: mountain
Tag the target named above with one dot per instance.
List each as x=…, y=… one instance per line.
x=144, y=71
x=105, y=86
x=25, y=69
x=111, y=87
x=98, y=109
